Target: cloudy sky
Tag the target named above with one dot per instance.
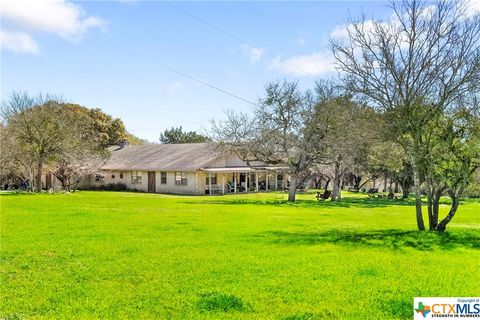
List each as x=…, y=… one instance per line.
x=143, y=61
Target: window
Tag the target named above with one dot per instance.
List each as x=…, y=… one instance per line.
x=163, y=177
x=181, y=178
x=99, y=177
x=213, y=177
x=121, y=175
x=136, y=177
x=279, y=176
x=113, y=176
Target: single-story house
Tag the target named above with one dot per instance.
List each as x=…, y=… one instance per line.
x=192, y=168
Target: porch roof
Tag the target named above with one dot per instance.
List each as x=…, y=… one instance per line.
x=242, y=169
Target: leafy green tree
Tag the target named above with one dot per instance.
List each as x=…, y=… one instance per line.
x=178, y=135
x=134, y=140
x=110, y=131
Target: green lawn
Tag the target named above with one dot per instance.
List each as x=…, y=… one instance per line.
x=126, y=255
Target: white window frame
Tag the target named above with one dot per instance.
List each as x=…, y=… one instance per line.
x=136, y=177
x=181, y=178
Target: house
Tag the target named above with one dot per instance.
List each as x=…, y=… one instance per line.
x=194, y=168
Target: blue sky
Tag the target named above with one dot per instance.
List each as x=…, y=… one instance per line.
x=112, y=54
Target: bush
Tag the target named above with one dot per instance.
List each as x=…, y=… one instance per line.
x=107, y=187
x=473, y=190
x=116, y=187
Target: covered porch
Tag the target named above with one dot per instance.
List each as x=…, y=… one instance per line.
x=243, y=180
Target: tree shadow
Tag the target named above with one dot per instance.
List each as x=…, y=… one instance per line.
x=305, y=203
x=390, y=239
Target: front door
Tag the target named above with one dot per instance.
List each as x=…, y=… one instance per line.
x=151, y=181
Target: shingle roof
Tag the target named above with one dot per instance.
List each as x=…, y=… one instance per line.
x=162, y=157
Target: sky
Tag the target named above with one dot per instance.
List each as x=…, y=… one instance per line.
x=136, y=59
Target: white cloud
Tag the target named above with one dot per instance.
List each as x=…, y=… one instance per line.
x=301, y=41
x=58, y=17
x=473, y=7
x=18, y=42
x=305, y=65
x=255, y=54
x=173, y=88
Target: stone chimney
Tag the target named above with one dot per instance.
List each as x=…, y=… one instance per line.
x=123, y=144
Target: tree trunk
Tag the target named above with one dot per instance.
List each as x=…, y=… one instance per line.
x=396, y=186
x=292, y=189
x=442, y=226
x=418, y=198
x=75, y=186
x=31, y=177
x=435, y=207
x=327, y=183
x=385, y=178
x=431, y=226
x=357, y=181
x=39, y=176
x=405, y=188
x=336, y=182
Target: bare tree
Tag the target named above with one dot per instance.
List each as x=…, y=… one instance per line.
x=276, y=133
x=414, y=67
x=43, y=131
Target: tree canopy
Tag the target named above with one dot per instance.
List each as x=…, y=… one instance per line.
x=178, y=135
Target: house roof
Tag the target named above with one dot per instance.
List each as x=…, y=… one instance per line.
x=162, y=157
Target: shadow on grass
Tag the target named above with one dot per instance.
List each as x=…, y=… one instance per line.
x=303, y=203
x=390, y=239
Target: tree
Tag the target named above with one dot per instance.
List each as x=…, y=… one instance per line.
x=177, y=135
x=453, y=160
x=110, y=131
x=134, y=140
x=276, y=133
x=415, y=68
x=32, y=125
x=349, y=132
x=17, y=166
x=43, y=132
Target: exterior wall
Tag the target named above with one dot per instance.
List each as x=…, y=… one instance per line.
x=171, y=187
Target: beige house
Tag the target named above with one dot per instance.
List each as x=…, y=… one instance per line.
x=195, y=168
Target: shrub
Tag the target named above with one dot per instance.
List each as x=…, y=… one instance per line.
x=213, y=301
x=116, y=187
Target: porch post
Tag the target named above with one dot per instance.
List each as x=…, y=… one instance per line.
x=266, y=182
x=234, y=182
x=276, y=181
x=247, y=176
x=223, y=183
x=209, y=183
x=256, y=181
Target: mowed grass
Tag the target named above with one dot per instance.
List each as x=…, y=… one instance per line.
x=113, y=255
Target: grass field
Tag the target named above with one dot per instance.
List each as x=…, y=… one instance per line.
x=112, y=255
